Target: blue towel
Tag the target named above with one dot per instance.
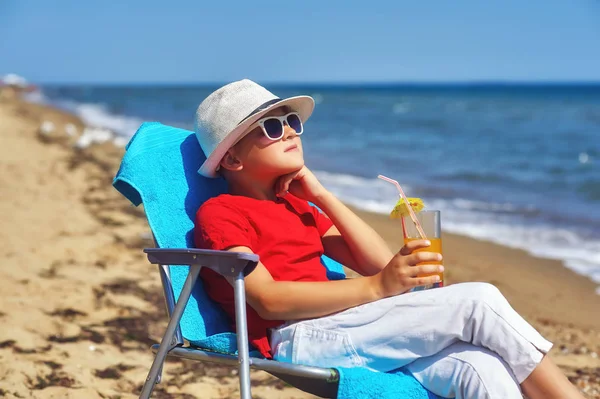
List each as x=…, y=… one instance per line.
x=159, y=169
x=366, y=384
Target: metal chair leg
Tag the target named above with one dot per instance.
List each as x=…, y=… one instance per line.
x=242, y=336
x=169, y=340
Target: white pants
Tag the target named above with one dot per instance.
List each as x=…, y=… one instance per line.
x=463, y=341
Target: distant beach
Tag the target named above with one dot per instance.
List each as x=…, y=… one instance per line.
x=81, y=305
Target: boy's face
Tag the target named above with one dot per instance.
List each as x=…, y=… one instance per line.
x=259, y=156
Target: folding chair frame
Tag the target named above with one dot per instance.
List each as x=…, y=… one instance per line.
x=318, y=381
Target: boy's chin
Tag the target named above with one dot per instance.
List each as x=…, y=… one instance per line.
x=291, y=167
x=279, y=169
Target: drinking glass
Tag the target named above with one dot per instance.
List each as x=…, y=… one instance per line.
x=432, y=227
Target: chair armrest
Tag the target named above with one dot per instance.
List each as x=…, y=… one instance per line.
x=226, y=263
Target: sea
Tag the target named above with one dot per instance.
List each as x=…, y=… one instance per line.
x=514, y=164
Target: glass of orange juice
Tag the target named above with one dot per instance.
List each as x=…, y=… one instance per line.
x=432, y=226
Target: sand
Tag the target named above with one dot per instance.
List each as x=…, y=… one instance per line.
x=80, y=304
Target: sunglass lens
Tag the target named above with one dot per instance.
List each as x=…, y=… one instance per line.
x=274, y=128
x=295, y=123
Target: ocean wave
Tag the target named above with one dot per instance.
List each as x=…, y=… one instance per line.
x=578, y=254
x=36, y=96
x=500, y=223
x=371, y=194
x=96, y=115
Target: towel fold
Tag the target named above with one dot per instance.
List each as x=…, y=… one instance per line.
x=366, y=384
x=159, y=169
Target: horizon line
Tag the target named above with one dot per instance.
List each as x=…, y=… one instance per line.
x=356, y=83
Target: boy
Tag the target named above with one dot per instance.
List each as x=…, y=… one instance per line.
x=460, y=341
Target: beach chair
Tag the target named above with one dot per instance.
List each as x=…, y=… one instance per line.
x=159, y=169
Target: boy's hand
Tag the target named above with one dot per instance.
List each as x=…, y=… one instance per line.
x=400, y=274
x=301, y=183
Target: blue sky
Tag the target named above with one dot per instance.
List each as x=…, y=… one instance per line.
x=300, y=41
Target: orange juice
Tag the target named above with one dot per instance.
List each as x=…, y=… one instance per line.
x=436, y=246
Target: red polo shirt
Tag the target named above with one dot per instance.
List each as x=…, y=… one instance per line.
x=286, y=234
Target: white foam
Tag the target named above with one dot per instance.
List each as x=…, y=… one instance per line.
x=93, y=135
x=584, y=158
x=483, y=206
x=96, y=115
x=70, y=130
x=370, y=194
x=36, y=96
x=12, y=79
x=47, y=127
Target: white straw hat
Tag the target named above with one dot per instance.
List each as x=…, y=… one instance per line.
x=226, y=114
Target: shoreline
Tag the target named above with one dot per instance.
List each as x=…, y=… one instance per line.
x=63, y=222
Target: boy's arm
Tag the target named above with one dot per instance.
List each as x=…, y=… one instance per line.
x=350, y=240
x=294, y=300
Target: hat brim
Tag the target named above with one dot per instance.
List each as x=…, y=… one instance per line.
x=303, y=105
